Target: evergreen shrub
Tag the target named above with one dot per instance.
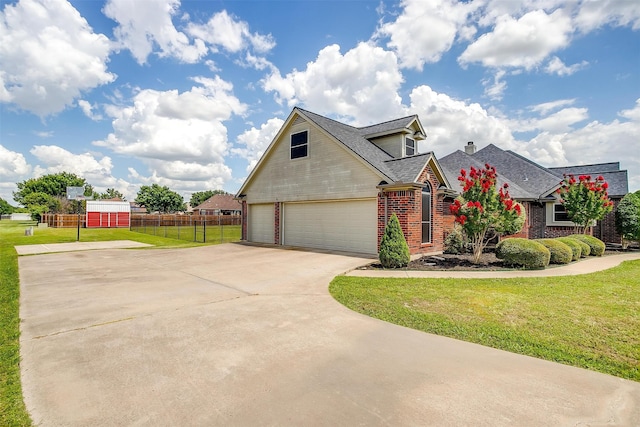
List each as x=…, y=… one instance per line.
x=523, y=253
x=561, y=253
x=394, y=250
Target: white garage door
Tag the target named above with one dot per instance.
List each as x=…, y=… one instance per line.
x=261, y=223
x=345, y=226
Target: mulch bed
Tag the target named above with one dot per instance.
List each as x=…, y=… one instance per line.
x=488, y=261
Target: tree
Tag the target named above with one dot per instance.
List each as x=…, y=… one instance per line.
x=5, y=207
x=394, y=251
x=159, y=199
x=53, y=184
x=585, y=200
x=628, y=218
x=111, y=193
x=200, y=197
x=480, y=207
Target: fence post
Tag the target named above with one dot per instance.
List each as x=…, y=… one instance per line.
x=204, y=229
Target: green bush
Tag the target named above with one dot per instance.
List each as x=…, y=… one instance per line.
x=561, y=253
x=585, y=249
x=394, y=251
x=575, y=245
x=455, y=242
x=523, y=252
x=596, y=245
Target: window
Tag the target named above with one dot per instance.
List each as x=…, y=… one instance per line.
x=409, y=147
x=299, y=145
x=426, y=214
x=560, y=213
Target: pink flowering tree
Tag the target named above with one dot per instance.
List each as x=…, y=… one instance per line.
x=585, y=200
x=480, y=208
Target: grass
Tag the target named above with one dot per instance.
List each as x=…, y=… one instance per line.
x=12, y=408
x=214, y=233
x=590, y=321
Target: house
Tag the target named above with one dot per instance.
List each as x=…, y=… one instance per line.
x=328, y=185
x=534, y=186
x=219, y=204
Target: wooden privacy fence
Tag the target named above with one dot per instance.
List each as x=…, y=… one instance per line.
x=195, y=228
x=63, y=220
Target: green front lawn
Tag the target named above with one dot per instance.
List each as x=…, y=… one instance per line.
x=590, y=321
x=12, y=409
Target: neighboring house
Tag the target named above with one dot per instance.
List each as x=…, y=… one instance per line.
x=534, y=186
x=137, y=209
x=327, y=185
x=219, y=204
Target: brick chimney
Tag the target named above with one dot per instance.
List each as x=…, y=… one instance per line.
x=470, y=148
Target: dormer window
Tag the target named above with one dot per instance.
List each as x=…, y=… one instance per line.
x=299, y=145
x=409, y=147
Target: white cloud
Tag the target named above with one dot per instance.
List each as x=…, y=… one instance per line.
x=560, y=121
x=360, y=85
x=556, y=66
x=12, y=165
x=595, y=14
x=145, y=24
x=180, y=136
x=450, y=123
x=230, y=34
x=255, y=141
x=426, y=29
x=49, y=55
x=523, y=42
x=596, y=142
x=546, y=107
x=88, y=110
x=494, y=90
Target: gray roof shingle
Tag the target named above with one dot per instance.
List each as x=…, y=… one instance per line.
x=407, y=169
x=452, y=163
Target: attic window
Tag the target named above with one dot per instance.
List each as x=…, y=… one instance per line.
x=299, y=145
x=409, y=147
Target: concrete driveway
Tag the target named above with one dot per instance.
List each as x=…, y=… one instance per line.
x=242, y=335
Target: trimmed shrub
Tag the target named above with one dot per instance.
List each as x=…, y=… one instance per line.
x=455, y=242
x=596, y=245
x=523, y=253
x=576, y=247
x=585, y=249
x=561, y=253
x=394, y=251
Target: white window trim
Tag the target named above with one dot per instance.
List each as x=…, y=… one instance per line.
x=404, y=147
x=291, y=148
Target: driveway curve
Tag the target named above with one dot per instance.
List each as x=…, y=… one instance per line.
x=243, y=335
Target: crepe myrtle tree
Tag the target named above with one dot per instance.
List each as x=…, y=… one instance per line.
x=480, y=208
x=585, y=200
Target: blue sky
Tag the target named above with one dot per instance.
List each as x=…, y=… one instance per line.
x=188, y=94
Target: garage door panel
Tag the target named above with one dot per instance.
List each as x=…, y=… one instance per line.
x=346, y=225
x=261, y=223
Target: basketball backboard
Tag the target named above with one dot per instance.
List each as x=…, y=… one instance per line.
x=74, y=193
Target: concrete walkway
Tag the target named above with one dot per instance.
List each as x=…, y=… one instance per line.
x=77, y=246
x=584, y=266
x=237, y=335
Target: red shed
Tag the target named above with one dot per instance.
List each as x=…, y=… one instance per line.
x=108, y=214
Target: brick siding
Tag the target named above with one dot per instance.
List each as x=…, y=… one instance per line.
x=276, y=231
x=244, y=220
x=407, y=205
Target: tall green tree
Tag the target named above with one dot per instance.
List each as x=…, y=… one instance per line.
x=585, y=200
x=159, y=199
x=54, y=185
x=200, y=197
x=628, y=218
x=111, y=193
x=5, y=207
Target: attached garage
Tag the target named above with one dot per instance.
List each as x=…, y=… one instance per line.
x=261, y=223
x=108, y=214
x=338, y=225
